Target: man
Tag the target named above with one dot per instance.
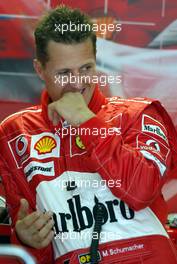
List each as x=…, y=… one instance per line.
x=76, y=194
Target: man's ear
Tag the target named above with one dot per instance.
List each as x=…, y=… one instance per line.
x=38, y=68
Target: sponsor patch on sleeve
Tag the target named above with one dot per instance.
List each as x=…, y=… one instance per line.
x=34, y=168
x=149, y=156
x=45, y=145
x=19, y=148
x=153, y=149
x=154, y=127
x=154, y=146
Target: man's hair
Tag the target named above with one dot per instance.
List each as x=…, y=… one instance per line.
x=47, y=29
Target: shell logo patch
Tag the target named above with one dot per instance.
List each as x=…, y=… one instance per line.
x=79, y=143
x=45, y=145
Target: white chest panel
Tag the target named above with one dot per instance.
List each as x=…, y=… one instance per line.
x=74, y=212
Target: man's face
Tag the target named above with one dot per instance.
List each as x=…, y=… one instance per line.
x=66, y=65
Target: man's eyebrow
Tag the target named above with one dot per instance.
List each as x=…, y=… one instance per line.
x=87, y=64
x=82, y=66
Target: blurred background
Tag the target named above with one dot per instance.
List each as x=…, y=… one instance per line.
x=144, y=53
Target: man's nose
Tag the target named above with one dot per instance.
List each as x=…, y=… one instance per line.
x=76, y=81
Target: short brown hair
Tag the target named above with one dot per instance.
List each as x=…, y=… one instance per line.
x=61, y=15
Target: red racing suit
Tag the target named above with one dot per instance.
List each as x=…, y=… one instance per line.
x=120, y=159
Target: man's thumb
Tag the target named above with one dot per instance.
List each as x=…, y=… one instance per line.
x=23, y=210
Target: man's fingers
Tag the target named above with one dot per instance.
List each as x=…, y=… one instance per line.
x=50, y=112
x=47, y=240
x=43, y=233
x=23, y=210
x=31, y=219
x=56, y=118
x=53, y=115
x=39, y=223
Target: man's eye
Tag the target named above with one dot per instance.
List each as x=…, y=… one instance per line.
x=63, y=73
x=86, y=68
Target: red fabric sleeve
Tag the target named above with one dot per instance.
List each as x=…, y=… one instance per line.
x=128, y=157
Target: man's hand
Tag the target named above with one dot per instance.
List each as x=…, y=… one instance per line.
x=35, y=229
x=72, y=107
